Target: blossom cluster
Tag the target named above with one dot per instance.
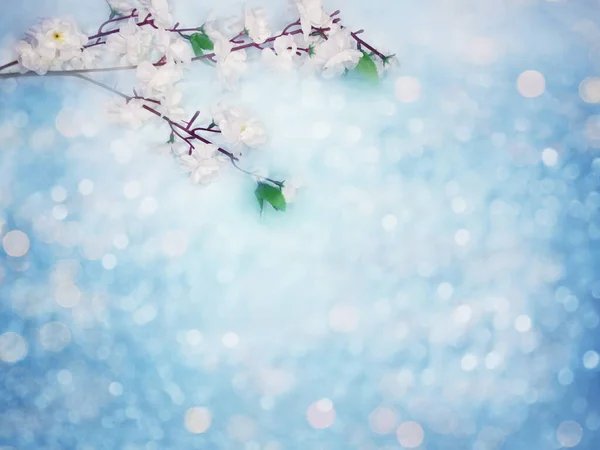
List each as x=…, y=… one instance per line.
x=142, y=35
x=54, y=44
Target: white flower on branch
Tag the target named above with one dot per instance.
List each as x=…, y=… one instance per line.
x=282, y=57
x=131, y=113
x=238, y=128
x=203, y=164
x=122, y=6
x=62, y=35
x=179, y=148
x=173, y=48
x=86, y=59
x=50, y=44
x=228, y=26
x=230, y=65
x=336, y=54
x=31, y=59
x=312, y=15
x=157, y=81
x=160, y=12
x=256, y=24
x=131, y=44
x=170, y=104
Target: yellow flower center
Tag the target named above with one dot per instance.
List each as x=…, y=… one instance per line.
x=244, y=128
x=58, y=36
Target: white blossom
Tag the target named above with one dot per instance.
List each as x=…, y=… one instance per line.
x=170, y=104
x=49, y=44
x=282, y=57
x=256, y=24
x=179, y=148
x=160, y=11
x=230, y=65
x=86, y=59
x=172, y=47
x=30, y=59
x=179, y=51
x=121, y=6
x=203, y=164
x=63, y=35
x=131, y=43
x=238, y=128
x=159, y=80
x=336, y=54
x=228, y=26
x=312, y=15
x=131, y=113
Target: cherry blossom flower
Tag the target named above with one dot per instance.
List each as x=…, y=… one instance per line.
x=336, y=54
x=173, y=48
x=131, y=44
x=131, y=113
x=160, y=12
x=170, y=104
x=238, y=128
x=50, y=44
x=203, y=164
x=312, y=15
x=256, y=25
x=62, y=35
x=86, y=59
x=230, y=65
x=228, y=26
x=30, y=59
x=179, y=148
x=157, y=80
x=121, y=6
x=281, y=57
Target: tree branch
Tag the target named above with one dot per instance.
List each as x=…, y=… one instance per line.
x=149, y=21
x=178, y=129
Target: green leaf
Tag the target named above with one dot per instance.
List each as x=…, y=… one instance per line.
x=200, y=42
x=367, y=68
x=266, y=193
x=261, y=203
x=171, y=138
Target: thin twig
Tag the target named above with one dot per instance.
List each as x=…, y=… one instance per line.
x=173, y=125
x=10, y=64
x=102, y=85
x=364, y=44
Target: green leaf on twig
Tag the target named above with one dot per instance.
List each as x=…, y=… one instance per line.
x=171, y=138
x=266, y=193
x=201, y=42
x=367, y=69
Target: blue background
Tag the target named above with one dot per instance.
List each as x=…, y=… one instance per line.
x=353, y=295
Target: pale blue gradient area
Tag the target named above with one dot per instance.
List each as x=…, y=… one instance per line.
x=329, y=300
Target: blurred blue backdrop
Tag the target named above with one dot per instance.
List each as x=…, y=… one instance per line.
x=433, y=286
